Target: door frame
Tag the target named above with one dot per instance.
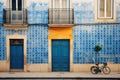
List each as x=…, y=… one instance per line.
x=50, y=54
x=68, y=53
x=15, y=36
x=60, y=33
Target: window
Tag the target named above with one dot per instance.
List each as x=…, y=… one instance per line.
x=16, y=4
x=60, y=12
x=16, y=12
x=105, y=9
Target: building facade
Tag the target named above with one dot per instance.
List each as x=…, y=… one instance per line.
x=58, y=35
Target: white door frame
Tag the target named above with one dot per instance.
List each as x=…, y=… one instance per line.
x=50, y=54
x=16, y=36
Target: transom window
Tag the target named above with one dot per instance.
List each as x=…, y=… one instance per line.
x=105, y=9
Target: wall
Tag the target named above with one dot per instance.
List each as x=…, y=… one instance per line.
x=85, y=36
x=37, y=35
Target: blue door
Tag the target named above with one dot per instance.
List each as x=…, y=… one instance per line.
x=60, y=55
x=16, y=56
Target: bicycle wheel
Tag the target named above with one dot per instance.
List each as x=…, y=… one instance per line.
x=106, y=70
x=93, y=70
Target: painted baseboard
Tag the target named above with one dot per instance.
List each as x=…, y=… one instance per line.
x=37, y=67
x=4, y=66
x=86, y=67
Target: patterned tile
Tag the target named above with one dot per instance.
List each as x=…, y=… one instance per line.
x=85, y=36
x=85, y=39
x=37, y=43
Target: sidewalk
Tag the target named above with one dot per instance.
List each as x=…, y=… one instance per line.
x=57, y=75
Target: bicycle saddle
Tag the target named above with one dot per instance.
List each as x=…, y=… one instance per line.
x=105, y=64
x=96, y=64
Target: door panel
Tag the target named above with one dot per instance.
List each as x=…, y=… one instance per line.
x=16, y=56
x=60, y=55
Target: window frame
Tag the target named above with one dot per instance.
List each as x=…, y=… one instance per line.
x=51, y=4
x=53, y=9
x=17, y=5
x=60, y=4
x=105, y=7
x=9, y=1
x=105, y=19
x=16, y=11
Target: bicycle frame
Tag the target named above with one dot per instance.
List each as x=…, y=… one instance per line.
x=98, y=69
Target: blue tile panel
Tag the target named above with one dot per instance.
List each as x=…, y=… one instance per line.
x=2, y=44
x=87, y=36
x=83, y=12
x=1, y=12
x=37, y=43
x=118, y=11
x=37, y=13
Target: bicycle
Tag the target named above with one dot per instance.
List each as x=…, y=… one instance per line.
x=97, y=69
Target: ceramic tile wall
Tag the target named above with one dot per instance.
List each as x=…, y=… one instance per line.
x=37, y=12
x=37, y=43
x=85, y=36
x=37, y=35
